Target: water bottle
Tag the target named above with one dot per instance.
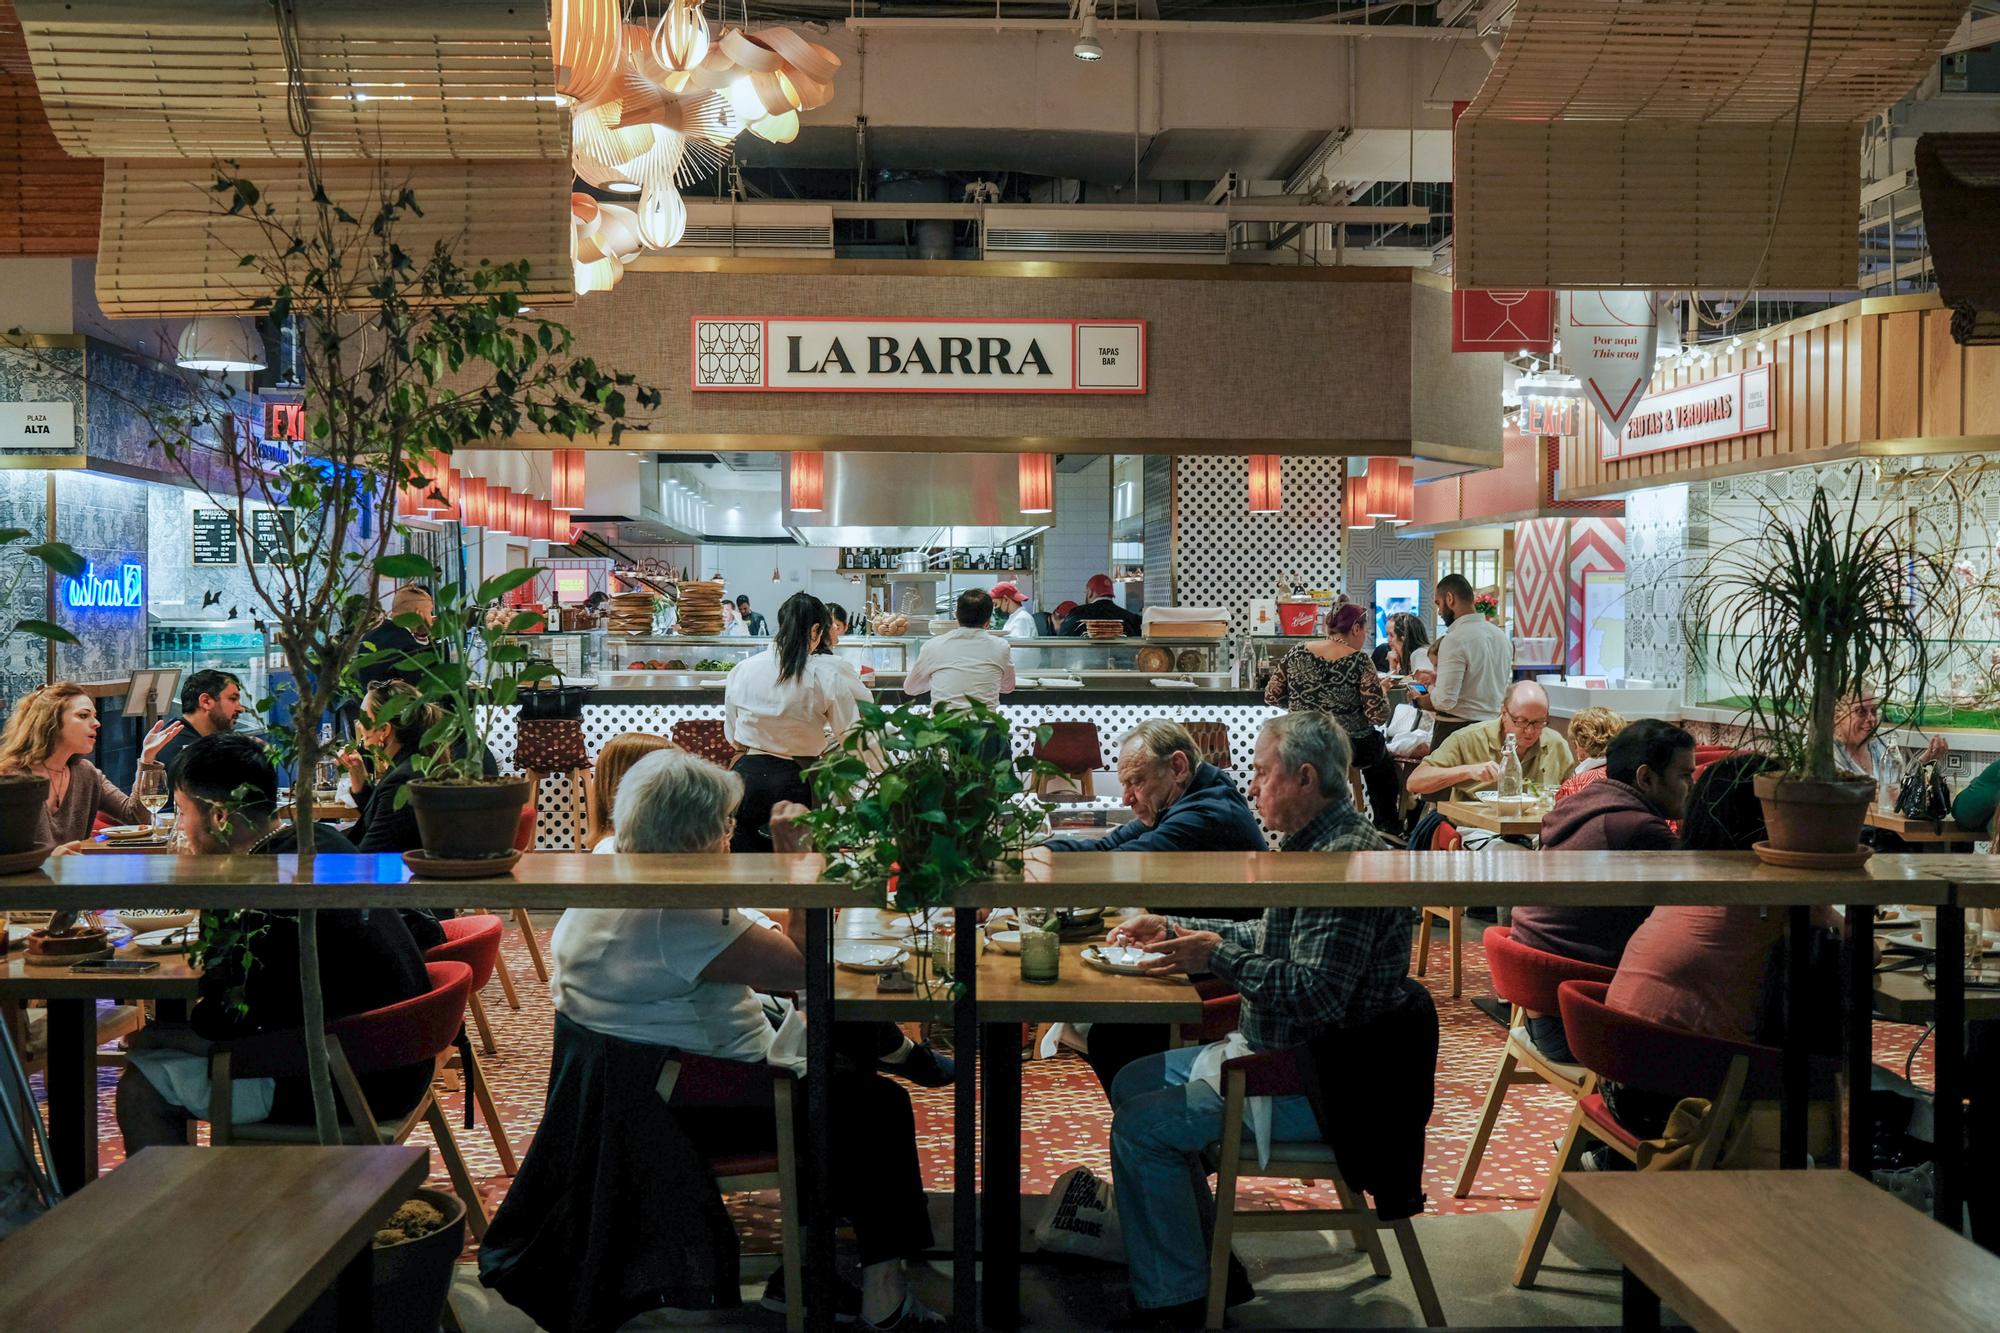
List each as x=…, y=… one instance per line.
x=1509, y=782
x=1889, y=781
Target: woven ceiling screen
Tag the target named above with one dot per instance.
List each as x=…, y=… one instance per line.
x=1643, y=143
x=48, y=199
x=454, y=98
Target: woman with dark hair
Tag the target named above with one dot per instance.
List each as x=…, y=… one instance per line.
x=394, y=718
x=1407, y=639
x=837, y=617
x=1335, y=677
x=782, y=708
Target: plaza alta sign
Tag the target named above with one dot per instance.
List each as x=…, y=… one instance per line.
x=811, y=355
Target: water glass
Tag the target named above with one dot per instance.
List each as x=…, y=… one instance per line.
x=943, y=950
x=1041, y=948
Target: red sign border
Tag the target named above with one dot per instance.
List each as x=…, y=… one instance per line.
x=1076, y=326
x=1738, y=376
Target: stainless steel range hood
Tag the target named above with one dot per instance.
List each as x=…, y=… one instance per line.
x=917, y=500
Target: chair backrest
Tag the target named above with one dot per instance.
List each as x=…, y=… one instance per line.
x=1446, y=837
x=1213, y=740
x=472, y=940
x=1651, y=1056
x=1530, y=977
x=524, y=828
x=412, y=1030
x=705, y=737
x=1074, y=747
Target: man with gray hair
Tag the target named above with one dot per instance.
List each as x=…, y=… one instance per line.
x=1302, y=972
x=1179, y=801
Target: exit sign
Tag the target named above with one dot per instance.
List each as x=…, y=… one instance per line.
x=284, y=421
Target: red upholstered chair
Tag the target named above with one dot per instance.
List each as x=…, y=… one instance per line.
x=1445, y=838
x=524, y=841
x=407, y=1033
x=1528, y=978
x=1078, y=750
x=475, y=941
x=1276, y=1074
x=703, y=1081
x=1649, y=1057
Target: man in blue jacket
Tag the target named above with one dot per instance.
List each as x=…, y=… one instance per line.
x=1180, y=803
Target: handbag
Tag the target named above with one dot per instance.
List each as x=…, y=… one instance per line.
x=1924, y=795
x=542, y=701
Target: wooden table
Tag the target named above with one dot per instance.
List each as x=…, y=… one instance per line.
x=1903, y=996
x=217, y=1239
x=1486, y=815
x=1950, y=832
x=72, y=1075
x=1760, y=1250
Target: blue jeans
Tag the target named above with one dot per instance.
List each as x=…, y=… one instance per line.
x=1160, y=1125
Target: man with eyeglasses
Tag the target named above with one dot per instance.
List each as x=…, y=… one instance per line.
x=1469, y=760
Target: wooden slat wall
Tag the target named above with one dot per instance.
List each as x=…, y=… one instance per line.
x=1871, y=377
x=48, y=199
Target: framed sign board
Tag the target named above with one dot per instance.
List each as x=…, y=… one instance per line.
x=270, y=535
x=215, y=537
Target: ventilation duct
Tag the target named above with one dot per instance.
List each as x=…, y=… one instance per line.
x=777, y=230
x=1149, y=235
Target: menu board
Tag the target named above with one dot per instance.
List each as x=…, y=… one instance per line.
x=270, y=535
x=215, y=537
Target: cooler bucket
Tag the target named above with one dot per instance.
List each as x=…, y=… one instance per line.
x=1298, y=617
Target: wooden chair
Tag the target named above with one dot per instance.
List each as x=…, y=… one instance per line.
x=1649, y=1057
x=475, y=941
x=401, y=1034
x=1276, y=1074
x=1445, y=839
x=1528, y=978
x=524, y=841
x=1213, y=738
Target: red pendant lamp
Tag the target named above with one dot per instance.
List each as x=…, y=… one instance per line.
x=1352, y=502
x=520, y=517
x=562, y=528
x=566, y=480
x=472, y=506
x=1378, y=497
x=1038, y=484
x=805, y=483
x=1266, y=483
x=544, y=520
x=410, y=501
x=449, y=482
x=499, y=510
x=429, y=498
x=1406, y=495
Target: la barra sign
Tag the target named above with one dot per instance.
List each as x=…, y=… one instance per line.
x=806, y=354
x=1719, y=409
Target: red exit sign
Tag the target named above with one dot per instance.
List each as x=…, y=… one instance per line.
x=284, y=421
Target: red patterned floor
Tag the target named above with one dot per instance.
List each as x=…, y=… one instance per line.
x=1065, y=1117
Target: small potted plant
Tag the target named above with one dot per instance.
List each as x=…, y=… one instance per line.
x=1488, y=605
x=473, y=669
x=416, y=1253
x=22, y=795
x=1807, y=614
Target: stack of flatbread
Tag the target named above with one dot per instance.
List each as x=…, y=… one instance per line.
x=700, y=608
x=632, y=613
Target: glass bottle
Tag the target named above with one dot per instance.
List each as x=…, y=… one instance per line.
x=1889, y=781
x=1508, y=784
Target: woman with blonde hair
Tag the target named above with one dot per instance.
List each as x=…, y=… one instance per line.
x=1590, y=733
x=614, y=761
x=48, y=735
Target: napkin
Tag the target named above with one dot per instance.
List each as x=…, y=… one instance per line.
x=182, y=1078
x=1207, y=1068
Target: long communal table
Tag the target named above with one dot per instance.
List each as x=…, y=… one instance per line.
x=1221, y=879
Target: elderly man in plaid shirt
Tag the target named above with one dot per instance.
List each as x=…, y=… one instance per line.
x=1300, y=970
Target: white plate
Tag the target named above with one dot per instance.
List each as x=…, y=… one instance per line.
x=173, y=940
x=1026, y=682
x=1061, y=683
x=129, y=832
x=1169, y=683
x=1124, y=959
x=144, y=919
x=857, y=956
x=1006, y=941
x=1900, y=921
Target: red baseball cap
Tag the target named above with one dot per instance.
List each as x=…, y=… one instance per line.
x=1064, y=610
x=1099, y=586
x=1007, y=590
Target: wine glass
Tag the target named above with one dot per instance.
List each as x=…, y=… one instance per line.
x=150, y=786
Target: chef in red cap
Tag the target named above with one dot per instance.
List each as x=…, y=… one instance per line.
x=1097, y=605
x=1017, y=622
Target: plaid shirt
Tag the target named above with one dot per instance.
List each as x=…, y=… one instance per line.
x=1304, y=970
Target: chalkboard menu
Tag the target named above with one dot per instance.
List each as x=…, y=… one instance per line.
x=270, y=535
x=215, y=537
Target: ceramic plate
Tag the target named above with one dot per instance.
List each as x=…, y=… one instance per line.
x=1061, y=683
x=1169, y=683
x=1123, y=959
x=130, y=833
x=174, y=940
x=1907, y=939
x=860, y=957
x=1026, y=682
x=1896, y=921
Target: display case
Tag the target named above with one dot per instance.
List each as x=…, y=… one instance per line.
x=1962, y=693
x=1126, y=662
x=578, y=654
x=235, y=646
x=662, y=661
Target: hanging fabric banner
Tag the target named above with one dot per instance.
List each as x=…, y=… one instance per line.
x=1608, y=340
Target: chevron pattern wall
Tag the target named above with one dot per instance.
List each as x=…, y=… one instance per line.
x=1538, y=578
x=1594, y=543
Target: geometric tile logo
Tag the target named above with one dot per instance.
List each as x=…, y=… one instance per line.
x=728, y=352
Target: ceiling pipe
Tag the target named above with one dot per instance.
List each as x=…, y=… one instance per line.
x=1111, y=27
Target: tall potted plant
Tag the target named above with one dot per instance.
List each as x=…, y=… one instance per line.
x=23, y=794
x=1808, y=614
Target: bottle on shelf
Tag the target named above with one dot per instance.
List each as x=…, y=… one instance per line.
x=1508, y=784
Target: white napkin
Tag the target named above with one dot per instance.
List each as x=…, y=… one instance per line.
x=1207, y=1068
x=182, y=1078
x=788, y=1044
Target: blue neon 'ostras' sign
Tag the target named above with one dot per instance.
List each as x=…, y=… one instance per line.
x=123, y=590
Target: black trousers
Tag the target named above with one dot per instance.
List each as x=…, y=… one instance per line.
x=876, y=1181
x=767, y=780
x=1379, y=776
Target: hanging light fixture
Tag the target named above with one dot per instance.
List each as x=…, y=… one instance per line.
x=520, y=514
x=562, y=528
x=540, y=519
x=566, y=480
x=445, y=488
x=1378, y=497
x=1406, y=495
x=1351, y=501
x=430, y=498
x=410, y=502
x=472, y=501
x=499, y=511
x=219, y=342
x=1087, y=47
x=1037, y=484
x=1266, y=483
x=805, y=483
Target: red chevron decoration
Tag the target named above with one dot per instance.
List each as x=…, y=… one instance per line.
x=1539, y=558
x=1594, y=543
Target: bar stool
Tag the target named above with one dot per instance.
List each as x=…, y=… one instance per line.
x=705, y=737
x=1075, y=748
x=1445, y=839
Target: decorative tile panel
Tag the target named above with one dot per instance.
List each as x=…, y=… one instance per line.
x=1224, y=555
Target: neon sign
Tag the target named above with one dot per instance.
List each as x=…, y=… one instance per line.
x=125, y=590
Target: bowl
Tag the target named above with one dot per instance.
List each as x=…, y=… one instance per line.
x=1006, y=941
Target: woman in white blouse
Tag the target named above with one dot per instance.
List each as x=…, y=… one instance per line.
x=782, y=708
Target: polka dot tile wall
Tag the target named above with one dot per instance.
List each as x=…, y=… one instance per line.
x=1225, y=555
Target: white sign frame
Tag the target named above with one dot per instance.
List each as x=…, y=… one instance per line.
x=1750, y=414
x=1119, y=369
x=53, y=423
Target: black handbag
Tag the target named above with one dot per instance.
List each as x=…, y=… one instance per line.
x=544, y=702
x=1924, y=795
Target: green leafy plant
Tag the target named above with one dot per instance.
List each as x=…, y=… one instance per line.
x=16, y=562
x=914, y=804
x=474, y=668
x=224, y=948
x=1816, y=608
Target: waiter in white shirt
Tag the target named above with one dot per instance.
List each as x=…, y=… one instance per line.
x=1007, y=600
x=1475, y=662
x=967, y=663
x=783, y=707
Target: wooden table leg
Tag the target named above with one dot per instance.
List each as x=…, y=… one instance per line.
x=817, y=1180
x=1642, y=1306
x=354, y=1291
x=1000, y=1174
x=72, y=1092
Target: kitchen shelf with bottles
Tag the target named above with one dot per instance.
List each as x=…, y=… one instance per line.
x=1018, y=558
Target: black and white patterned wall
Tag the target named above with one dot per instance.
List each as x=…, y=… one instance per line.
x=1224, y=555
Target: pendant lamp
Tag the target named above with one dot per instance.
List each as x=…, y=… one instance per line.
x=1406, y=495
x=1378, y=497
x=567, y=486
x=1352, y=501
x=218, y=342
x=541, y=519
x=1266, y=483
x=472, y=501
x=1038, y=484
x=499, y=511
x=519, y=517
x=410, y=502
x=447, y=493
x=805, y=491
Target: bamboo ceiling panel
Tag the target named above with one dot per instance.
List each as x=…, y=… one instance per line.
x=48, y=199
x=173, y=78
x=1641, y=143
x=167, y=250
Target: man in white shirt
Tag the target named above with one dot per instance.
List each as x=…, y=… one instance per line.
x=1009, y=602
x=970, y=662
x=1475, y=662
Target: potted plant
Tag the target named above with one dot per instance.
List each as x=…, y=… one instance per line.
x=416, y=1252
x=1807, y=614
x=23, y=794
x=474, y=669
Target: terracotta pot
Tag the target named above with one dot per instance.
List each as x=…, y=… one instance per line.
x=22, y=797
x=469, y=821
x=413, y=1277
x=1814, y=818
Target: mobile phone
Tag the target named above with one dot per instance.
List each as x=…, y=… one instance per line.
x=119, y=965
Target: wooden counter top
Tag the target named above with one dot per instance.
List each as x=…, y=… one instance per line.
x=565, y=879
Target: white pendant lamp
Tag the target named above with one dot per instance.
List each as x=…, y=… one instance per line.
x=220, y=342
